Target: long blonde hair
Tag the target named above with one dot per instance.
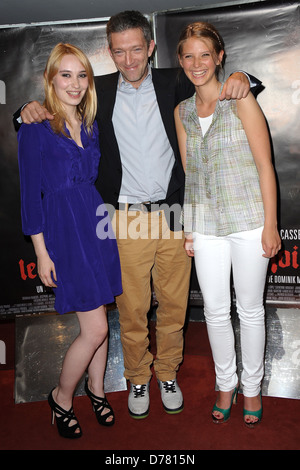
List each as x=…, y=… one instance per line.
x=87, y=108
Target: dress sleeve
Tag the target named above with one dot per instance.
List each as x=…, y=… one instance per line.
x=30, y=166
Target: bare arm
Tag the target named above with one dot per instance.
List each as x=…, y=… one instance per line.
x=181, y=136
x=257, y=134
x=45, y=265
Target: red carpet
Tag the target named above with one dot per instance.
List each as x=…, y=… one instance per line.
x=28, y=426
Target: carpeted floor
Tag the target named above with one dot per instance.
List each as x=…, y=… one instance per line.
x=28, y=426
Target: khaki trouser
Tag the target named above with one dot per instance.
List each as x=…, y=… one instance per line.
x=147, y=246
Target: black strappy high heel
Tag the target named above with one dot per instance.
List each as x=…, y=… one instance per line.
x=99, y=404
x=63, y=419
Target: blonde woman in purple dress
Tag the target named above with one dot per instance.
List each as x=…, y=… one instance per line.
x=58, y=163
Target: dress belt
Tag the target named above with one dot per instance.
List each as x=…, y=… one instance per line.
x=147, y=206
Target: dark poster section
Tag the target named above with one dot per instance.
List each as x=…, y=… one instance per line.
x=23, y=55
x=264, y=39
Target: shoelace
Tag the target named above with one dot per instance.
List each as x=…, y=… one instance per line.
x=169, y=386
x=139, y=390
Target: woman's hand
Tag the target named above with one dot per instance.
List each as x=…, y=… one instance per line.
x=271, y=242
x=189, y=245
x=46, y=270
x=45, y=265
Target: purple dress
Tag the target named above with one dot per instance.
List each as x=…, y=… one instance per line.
x=59, y=198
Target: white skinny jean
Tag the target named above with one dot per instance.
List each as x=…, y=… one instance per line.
x=214, y=259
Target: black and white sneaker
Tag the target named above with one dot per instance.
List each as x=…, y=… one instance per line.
x=171, y=396
x=139, y=401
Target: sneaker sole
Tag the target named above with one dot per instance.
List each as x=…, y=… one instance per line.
x=141, y=416
x=173, y=412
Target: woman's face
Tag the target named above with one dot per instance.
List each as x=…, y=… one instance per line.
x=199, y=60
x=71, y=81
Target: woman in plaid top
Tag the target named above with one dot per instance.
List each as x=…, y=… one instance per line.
x=229, y=214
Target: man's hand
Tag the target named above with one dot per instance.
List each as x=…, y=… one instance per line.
x=237, y=86
x=34, y=112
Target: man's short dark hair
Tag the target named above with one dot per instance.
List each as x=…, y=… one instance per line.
x=128, y=20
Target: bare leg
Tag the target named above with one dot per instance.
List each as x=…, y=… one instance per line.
x=96, y=370
x=84, y=351
x=96, y=373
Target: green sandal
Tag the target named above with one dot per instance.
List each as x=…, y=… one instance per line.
x=225, y=413
x=257, y=414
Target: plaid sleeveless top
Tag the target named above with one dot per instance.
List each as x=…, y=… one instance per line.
x=222, y=191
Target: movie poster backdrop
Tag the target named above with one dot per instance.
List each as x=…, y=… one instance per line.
x=261, y=39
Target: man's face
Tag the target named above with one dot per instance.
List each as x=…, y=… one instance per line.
x=130, y=53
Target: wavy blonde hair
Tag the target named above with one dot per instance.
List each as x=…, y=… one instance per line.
x=87, y=108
